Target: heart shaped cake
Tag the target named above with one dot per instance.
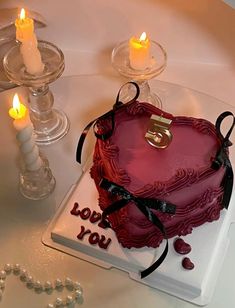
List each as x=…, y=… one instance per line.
x=179, y=175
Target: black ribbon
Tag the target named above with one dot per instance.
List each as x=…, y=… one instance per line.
x=222, y=159
x=110, y=114
x=144, y=205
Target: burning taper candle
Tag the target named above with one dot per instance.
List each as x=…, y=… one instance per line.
x=24, y=135
x=139, y=52
x=29, y=50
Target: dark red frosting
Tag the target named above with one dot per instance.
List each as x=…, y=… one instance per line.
x=180, y=174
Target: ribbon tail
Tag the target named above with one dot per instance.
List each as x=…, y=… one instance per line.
x=111, y=113
x=143, y=205
x=227, y=184
x=222, y=158
x=154, y=219
x=156, y=264
x=81, y=141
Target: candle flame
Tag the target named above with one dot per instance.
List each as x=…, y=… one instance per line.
x=18, y=110
x=143, y=36
x=22, y=14
x=16, y=103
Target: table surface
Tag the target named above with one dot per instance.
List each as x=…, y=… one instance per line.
x=87, y=89
x=23, y=222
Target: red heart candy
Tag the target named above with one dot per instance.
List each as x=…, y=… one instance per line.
x=182, y=247
x=187, y=264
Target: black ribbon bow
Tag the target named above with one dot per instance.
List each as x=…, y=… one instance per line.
x=118, y=104
x=222, y=159
x=144, y=205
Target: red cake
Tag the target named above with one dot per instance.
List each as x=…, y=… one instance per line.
x=180, y=175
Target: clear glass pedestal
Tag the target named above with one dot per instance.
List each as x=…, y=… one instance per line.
x=50, y=124
x=121, y=63
x=36, y=184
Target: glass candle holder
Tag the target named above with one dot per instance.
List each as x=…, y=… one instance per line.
x=157, y=63
x=50, y=124
x=36, y=184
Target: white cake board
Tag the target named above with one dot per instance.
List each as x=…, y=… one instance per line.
x=209, y=245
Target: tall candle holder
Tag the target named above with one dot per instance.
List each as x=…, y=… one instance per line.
x=49, y=124
x=36, y=184
x=36, y=179
x=120, y=61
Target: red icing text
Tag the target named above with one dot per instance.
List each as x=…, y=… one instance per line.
x=93, y=216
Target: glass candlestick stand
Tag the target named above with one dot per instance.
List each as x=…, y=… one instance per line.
x=36, y=179
x=157, y=63
x=36, y=183
x=49, y=124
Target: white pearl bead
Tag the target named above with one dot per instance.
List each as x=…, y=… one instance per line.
x=7, y=267
x=77, y=286
x=23, y=274
x=2, y=284
x=58, y=301
x=48, y=285
x=16, y=268
x=29, y=279
x=78, y=294
x=58, y=283
x=3, y=274
x=69, y=299
x=68, y=282
x=37, y=285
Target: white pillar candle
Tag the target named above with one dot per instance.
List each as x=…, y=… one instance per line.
x=139, y=52
x=24, y=128
x=29, y=50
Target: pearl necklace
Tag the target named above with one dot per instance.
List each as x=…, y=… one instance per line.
x=48, y=286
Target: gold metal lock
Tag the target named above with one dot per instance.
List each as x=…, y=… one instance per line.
x=158, y=134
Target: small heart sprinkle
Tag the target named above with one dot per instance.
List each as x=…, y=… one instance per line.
x=187, y=264
x=182, y=247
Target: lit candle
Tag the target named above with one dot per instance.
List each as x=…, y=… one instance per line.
x=139, y=52
x=24, y=135
x=29, y=50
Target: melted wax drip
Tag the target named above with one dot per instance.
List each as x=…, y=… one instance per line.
x=182, y=247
